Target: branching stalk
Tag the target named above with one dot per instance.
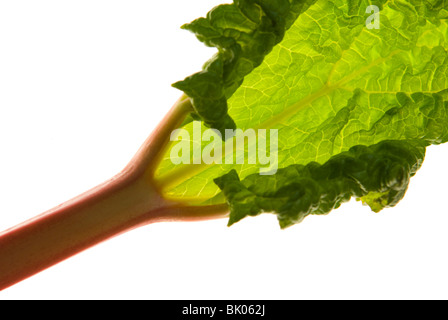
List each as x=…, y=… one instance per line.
x=126, y=201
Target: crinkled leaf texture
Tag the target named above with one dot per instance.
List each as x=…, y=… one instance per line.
x=244, y=33
x=378, y=175
x=354, y=106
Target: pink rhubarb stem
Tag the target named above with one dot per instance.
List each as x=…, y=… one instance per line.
x=116, y=206
x=127, y=201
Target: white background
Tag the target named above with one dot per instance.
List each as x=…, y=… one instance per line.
x=83, y=83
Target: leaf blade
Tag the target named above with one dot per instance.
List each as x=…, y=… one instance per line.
x=244, y=32
x=332, y=84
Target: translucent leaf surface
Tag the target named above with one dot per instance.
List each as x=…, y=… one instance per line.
x=333, y=82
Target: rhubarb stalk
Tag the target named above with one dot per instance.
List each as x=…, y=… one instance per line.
x=129, y=200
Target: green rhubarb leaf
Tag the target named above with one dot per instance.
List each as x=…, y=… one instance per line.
x=378, y=174
x=244, y=33
x=331, y=86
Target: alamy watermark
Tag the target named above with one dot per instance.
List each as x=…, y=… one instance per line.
x=373, y=21
x=257, y=147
